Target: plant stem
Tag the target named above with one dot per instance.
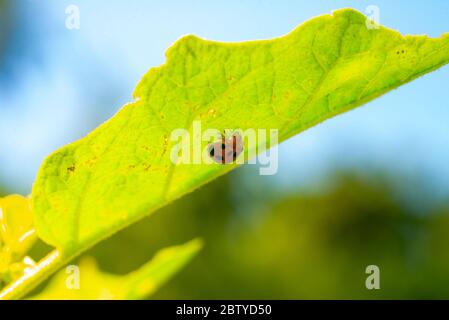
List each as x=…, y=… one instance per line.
x=46, y=267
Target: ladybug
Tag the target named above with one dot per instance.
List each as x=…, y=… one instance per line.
x=226, y=150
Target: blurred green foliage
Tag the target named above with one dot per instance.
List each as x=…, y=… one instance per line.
x=264, y=243
x=296, y=246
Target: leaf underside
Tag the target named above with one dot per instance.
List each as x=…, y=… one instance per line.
x=122, y=170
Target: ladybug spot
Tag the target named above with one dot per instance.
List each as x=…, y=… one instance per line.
x=212, y=152
x=223, y=146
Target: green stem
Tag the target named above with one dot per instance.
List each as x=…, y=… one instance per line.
x=45, y=268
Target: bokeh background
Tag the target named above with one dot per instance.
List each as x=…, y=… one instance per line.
x=368, y=187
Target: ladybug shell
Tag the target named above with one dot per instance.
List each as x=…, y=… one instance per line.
x=226, y=150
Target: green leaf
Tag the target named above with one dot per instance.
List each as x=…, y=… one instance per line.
x=122, y=170
x=17, y=235
x=94, y=284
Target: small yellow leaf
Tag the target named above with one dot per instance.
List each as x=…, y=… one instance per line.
x=16, y=224
x=87, y=282
x=17, y=235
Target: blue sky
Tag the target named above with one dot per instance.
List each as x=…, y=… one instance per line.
x=63, y=83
